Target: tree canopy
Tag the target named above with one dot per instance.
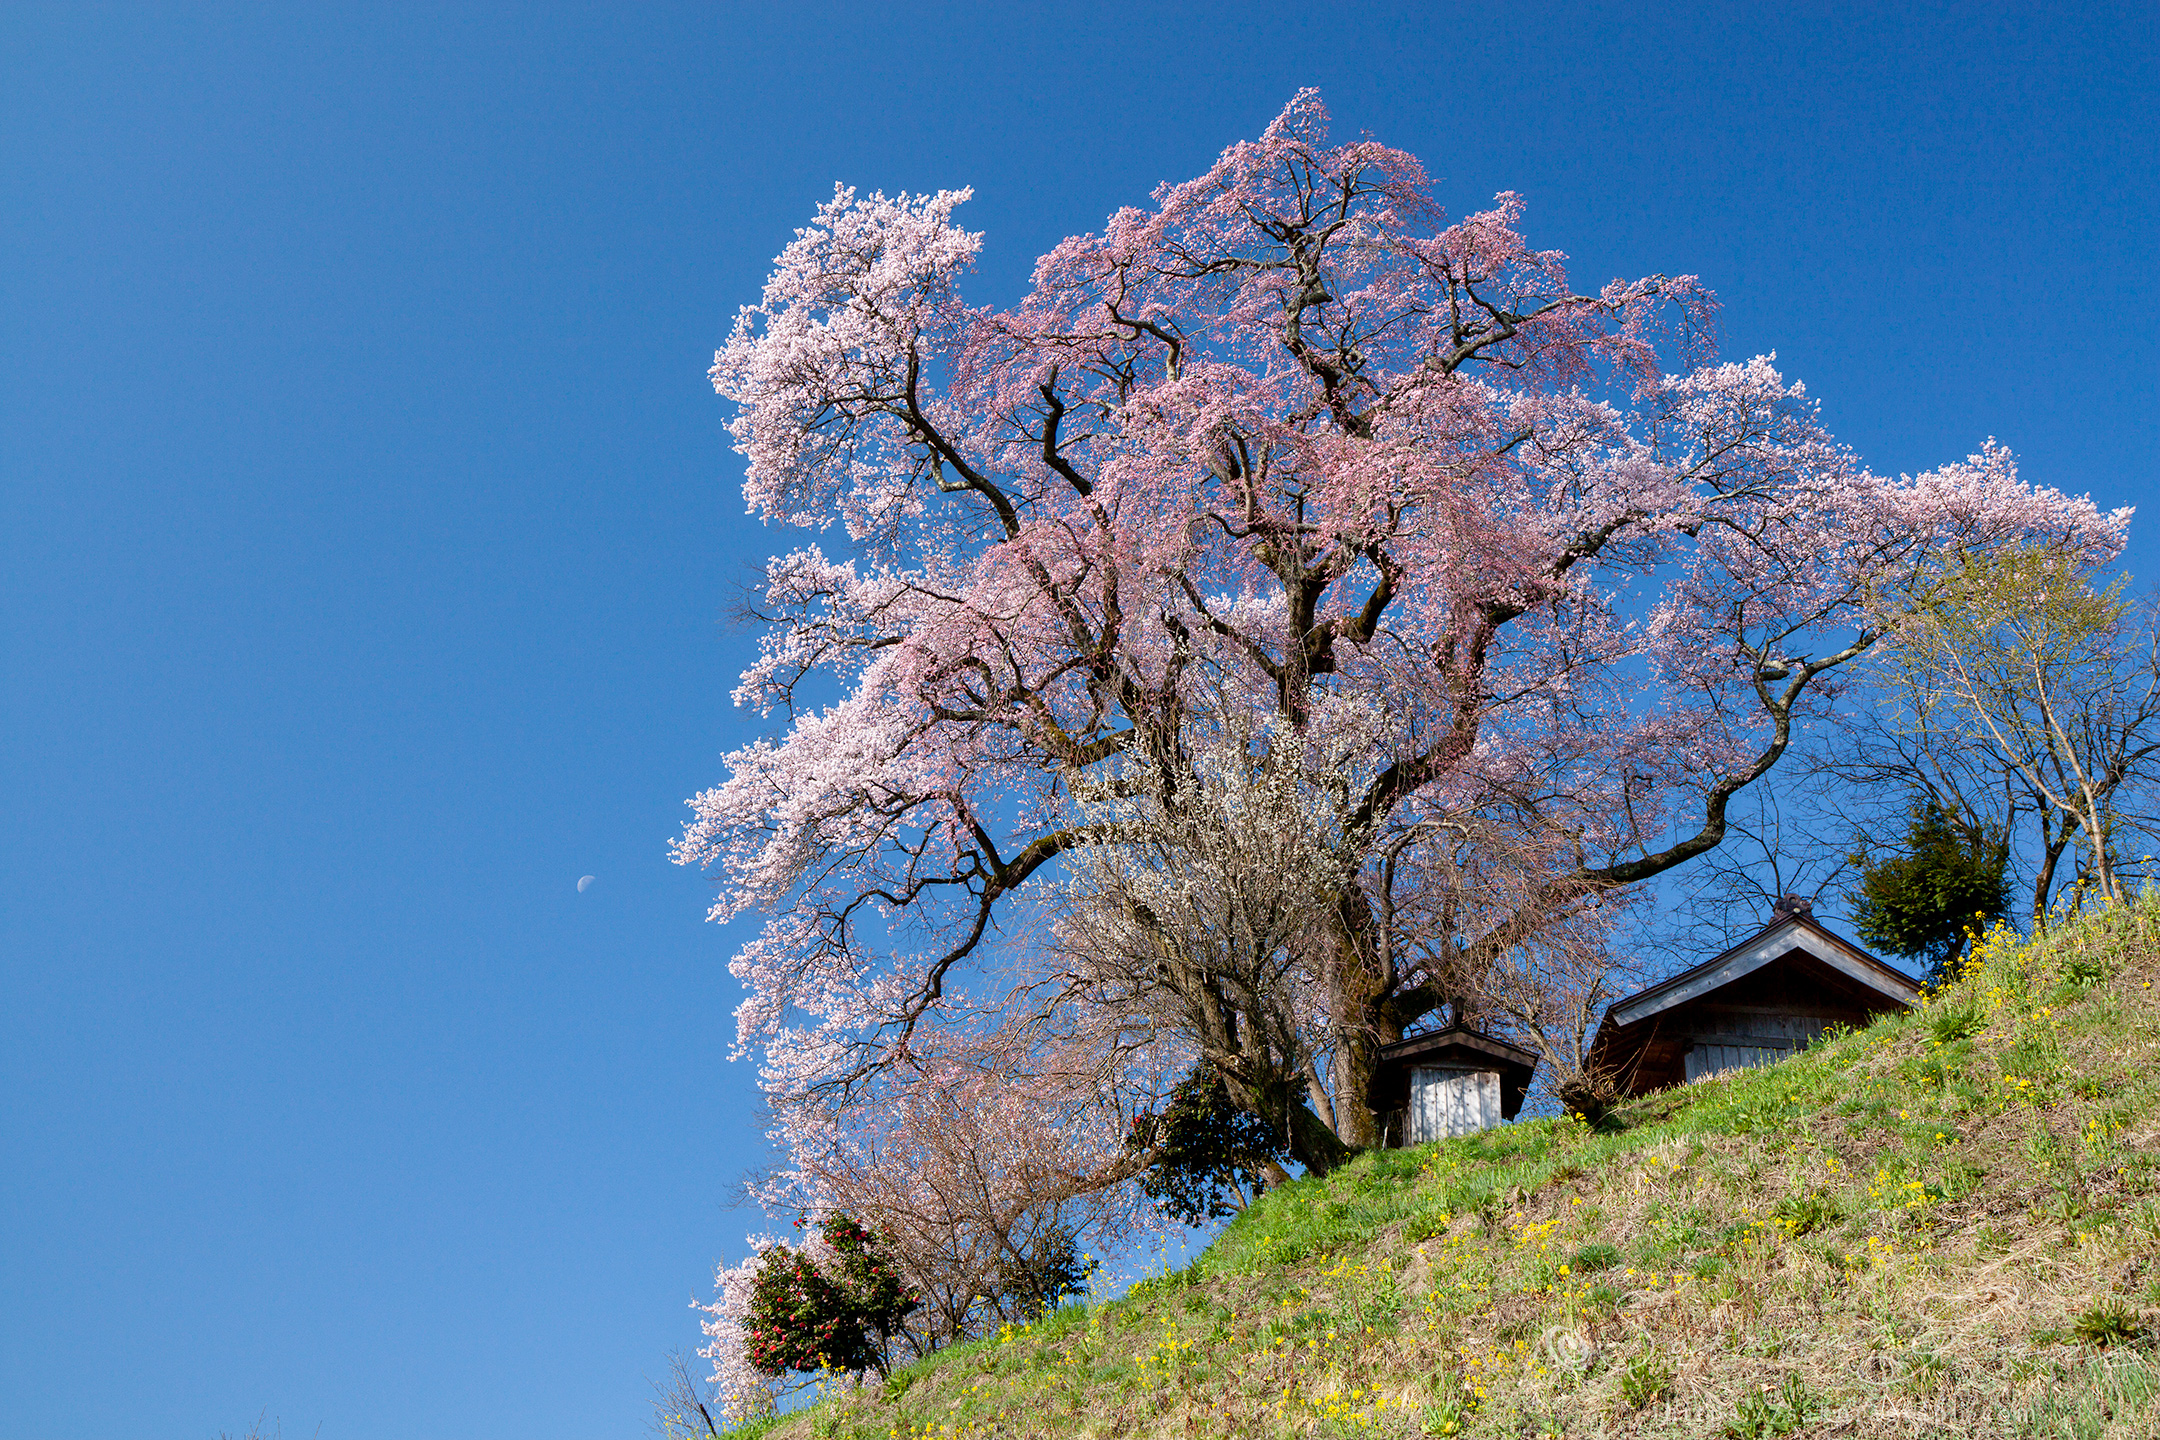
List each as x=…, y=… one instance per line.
x=1503, y=588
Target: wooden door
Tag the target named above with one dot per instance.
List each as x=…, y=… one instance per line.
x=1447, y=1100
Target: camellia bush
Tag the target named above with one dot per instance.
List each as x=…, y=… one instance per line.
x=833, y=1311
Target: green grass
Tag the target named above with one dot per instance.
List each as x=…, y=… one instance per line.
x=1941, y=1224
x=2102, y=1399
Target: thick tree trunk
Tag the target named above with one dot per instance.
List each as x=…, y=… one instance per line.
x=1365, y=1021
x=1314, y=1146
x=1355, y=1119
x=1305, y=1135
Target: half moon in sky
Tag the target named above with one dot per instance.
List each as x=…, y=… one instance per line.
x=584, y=883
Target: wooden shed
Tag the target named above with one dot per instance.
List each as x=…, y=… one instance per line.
x=1756, y=1003
x=1448, y=1082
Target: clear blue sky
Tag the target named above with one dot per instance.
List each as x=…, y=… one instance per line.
x=367, y=533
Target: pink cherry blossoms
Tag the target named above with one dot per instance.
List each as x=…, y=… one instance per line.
x=1523, y=559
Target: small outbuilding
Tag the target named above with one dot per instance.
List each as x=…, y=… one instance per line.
x=1455, y=1081
x=1755, y=1004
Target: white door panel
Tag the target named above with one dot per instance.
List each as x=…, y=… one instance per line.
x=1446, y=1101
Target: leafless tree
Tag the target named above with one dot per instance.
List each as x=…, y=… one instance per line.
x=2061, y=678
x=682, y=1403
x=1230, y=911
x=257, y=1432
x=1916, y=749
x=1795, y=840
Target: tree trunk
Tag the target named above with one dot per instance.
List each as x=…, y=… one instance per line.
x=1363, y=985
x=1314, y=1146
x=1357, y=1057
x=1309, y=1140
x=2052, y=846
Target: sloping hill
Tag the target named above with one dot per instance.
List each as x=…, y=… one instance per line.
x=1941, y=1225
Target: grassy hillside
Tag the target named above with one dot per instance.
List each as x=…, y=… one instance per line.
x=1941, y=1225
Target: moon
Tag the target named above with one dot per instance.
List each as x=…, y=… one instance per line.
x=584, y=883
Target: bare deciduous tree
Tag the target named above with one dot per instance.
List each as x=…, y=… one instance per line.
x=1917, y=748
x=682, y=1402
x=1231, y=910
x=1796, y=840
x=2062, y=679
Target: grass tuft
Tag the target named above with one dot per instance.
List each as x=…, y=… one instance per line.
x=1644, y=1381
x=1772, y=1410
x=2105, y=1323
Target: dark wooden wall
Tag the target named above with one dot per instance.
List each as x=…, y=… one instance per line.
x=1793, y=994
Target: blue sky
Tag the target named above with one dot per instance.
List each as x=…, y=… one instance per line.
x=368, y=533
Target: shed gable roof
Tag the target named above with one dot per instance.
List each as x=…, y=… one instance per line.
x=1463, y=1043
x=1780, y=938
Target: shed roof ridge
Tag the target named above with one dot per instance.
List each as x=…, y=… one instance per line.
x=1461, y=1031
x=1799, y=920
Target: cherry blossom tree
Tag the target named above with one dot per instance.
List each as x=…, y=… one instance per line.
x=1515, y=584
x=743, y=1391
x=987, y=1160
x=980, y=1157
